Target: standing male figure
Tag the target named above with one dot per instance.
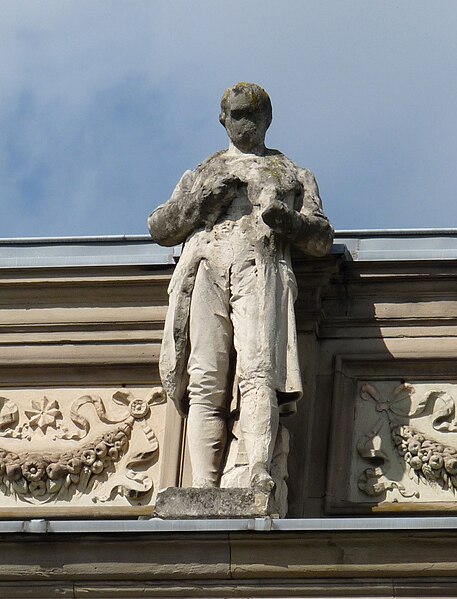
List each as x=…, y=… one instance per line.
x=231, y=315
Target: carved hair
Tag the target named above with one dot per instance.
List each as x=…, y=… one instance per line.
x=258, y=98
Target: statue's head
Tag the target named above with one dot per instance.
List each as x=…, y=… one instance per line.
x=246, y=115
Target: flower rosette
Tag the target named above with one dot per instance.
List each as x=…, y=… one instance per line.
x=33, y=469
x=88, y=457
x=139, y=408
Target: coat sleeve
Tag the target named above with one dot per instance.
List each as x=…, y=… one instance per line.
x=306, y=226
x=198, y=200
x=314, y=234
x=171, y=223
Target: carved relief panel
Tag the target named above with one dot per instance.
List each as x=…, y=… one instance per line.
x=69, y=449
x=394, y=442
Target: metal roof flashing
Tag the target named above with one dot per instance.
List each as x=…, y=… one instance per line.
x=140, y=250
x=156, y=525
x=135, y=250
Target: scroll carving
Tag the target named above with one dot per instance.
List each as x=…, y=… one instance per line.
x=86, y=460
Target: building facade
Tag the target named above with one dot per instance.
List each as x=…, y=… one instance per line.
x=87, y=438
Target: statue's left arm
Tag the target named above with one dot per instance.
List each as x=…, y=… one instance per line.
x=307, y=227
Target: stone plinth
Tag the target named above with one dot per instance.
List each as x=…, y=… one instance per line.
x=186, y=504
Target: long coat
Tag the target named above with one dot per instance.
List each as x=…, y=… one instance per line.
x=267, y=178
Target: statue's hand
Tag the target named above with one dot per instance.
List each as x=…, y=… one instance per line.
x=217, y=195
x=221, y=187
x=277, y=216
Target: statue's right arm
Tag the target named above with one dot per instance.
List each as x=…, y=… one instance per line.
x=171, y=223
x=197, y=201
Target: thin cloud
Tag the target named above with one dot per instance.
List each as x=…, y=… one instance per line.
x=105, y=104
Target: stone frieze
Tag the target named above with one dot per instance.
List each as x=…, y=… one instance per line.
x=416, y=432
x=97, y=446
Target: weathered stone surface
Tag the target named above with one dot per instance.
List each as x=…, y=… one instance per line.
x=194, y=503
x=229, y=358
x=93, y=447
x=220, y=564
x=401, y=438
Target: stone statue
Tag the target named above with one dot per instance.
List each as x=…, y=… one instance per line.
x=230, y=335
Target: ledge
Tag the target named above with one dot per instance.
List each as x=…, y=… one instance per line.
x=156, y=525
x=229, y=559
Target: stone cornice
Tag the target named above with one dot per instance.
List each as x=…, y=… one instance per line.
x=229, y=564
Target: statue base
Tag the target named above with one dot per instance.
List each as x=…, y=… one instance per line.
x=212, y=503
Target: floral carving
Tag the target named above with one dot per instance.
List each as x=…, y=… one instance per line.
x=373, y=481
x=33, y=469
x=428, y=460
x=43, y=414
x=138, y=408
x=44, y=476
x=38, y=475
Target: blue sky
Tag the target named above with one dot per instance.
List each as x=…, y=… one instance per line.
x=104, y=103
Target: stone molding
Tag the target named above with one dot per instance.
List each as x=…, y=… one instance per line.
x=339, y=564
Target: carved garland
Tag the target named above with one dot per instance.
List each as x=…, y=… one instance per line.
x=33, y=476
x=50, y=474
x=428, y=460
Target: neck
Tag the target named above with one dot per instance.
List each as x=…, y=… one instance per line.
x=257, y=150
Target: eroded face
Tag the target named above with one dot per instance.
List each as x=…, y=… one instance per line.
x=246, y=123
